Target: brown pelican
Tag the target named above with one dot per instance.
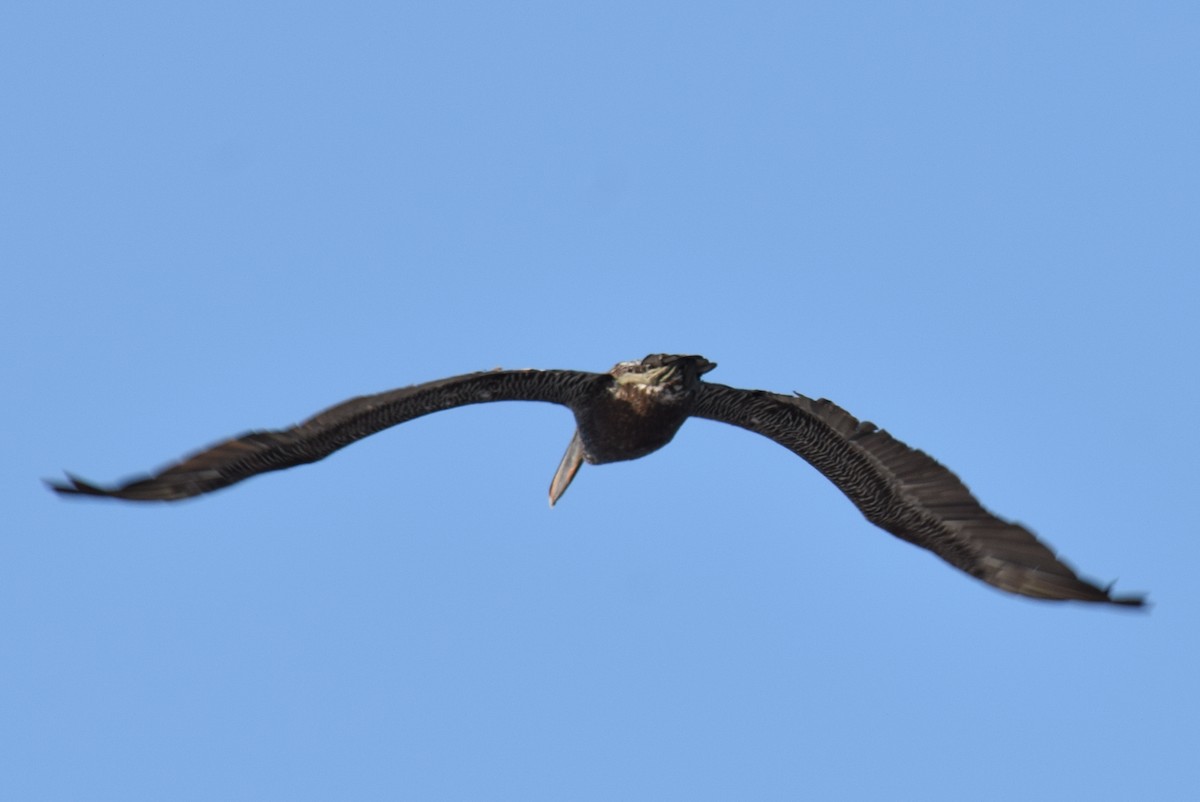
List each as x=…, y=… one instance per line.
x=635, y=409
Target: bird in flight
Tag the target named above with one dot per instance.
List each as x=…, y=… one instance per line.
x=635, y=409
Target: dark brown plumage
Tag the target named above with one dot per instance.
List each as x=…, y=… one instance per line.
x=635, y=409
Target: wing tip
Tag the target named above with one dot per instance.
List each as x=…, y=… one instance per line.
x=74, y=486
x=1134, y=600
x=148, y=489
x=1084, y=591
x=1056, y=583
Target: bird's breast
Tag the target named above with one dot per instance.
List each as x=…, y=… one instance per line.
x=629, y=423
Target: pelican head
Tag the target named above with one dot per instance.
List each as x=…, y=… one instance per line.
x=670, y=372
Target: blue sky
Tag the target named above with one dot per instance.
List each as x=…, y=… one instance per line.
x=974, y=224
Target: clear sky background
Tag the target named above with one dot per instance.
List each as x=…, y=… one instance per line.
x=975, y=224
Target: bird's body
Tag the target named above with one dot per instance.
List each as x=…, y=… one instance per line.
x=640, y=409
x=635, y=409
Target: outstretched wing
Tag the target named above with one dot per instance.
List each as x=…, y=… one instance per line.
x=316, y=438
x=904, y=491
